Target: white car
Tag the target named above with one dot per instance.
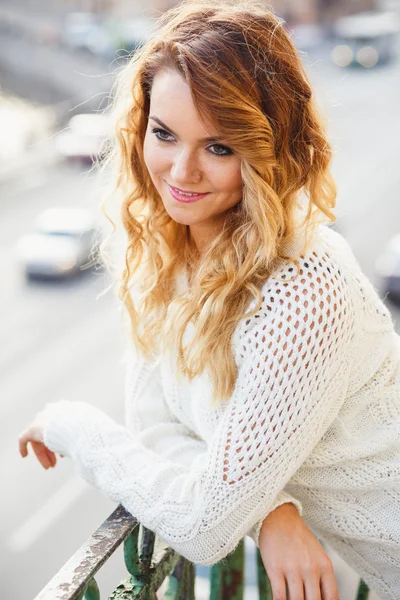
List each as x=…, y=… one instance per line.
x=85, y=137
x=388, y=268
x=61, y=244
x=81, y=31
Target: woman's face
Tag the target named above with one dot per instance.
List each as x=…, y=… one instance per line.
x=178, y=157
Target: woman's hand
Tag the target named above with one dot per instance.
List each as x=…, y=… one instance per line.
x=74, y=416
x=33, y=434
x=294, y=559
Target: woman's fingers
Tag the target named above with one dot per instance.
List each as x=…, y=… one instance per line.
x=52, y=457
x=313, y=589
x=34, y=435
x=296, y=587
x=278, y=586
x=301, y=587
x=46, y=457
x=31, y=433
x=23, y=440
x=329, y=589
x=42, y=454
x=23, y=445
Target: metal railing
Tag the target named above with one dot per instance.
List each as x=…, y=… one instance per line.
x=75, y=581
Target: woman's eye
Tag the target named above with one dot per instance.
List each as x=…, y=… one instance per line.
x=225, y=150
x=164, y=136
x=159, y=133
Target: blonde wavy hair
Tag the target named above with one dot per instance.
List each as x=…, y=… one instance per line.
x=247, y=78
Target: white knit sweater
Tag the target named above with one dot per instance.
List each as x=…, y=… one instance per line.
x=314, y=419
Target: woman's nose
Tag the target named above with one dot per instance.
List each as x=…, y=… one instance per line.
x=185, y=168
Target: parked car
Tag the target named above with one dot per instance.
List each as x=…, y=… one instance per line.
x=388, y=268
x=82, y=31
x=366, y=39
x=85, y=137
x=60, y=245
x=306, y=36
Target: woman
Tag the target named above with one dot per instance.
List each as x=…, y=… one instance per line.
x=262, y=393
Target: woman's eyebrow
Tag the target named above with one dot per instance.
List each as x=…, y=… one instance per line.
x=206, y=139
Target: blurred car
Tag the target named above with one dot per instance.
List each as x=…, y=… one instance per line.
x=388, y=268
x=307, y=36
x=83, y=31
x=366, y=39
x=85, y=137
x=60, y=245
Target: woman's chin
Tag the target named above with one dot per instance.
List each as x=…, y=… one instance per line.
x=181, y=215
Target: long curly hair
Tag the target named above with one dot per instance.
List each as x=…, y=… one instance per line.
x=245, y=76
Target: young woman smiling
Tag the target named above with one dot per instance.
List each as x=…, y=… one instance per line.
x=262, y=393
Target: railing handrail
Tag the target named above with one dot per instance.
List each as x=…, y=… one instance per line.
x=72, y=578
x=75, y=580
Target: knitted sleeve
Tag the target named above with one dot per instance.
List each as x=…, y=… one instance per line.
x=295, y=359
x=153, y=424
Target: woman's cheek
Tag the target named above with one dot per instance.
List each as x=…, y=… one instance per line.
x=229, y=182
x=157, y=161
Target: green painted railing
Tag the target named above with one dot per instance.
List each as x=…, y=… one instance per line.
x=75, y=581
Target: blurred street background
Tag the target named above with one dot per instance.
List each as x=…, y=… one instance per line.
x=61, y=338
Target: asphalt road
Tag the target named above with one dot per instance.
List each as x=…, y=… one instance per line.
x=59, y=341
x=62, y=341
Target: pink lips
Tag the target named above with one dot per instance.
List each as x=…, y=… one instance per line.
x=185, y=199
